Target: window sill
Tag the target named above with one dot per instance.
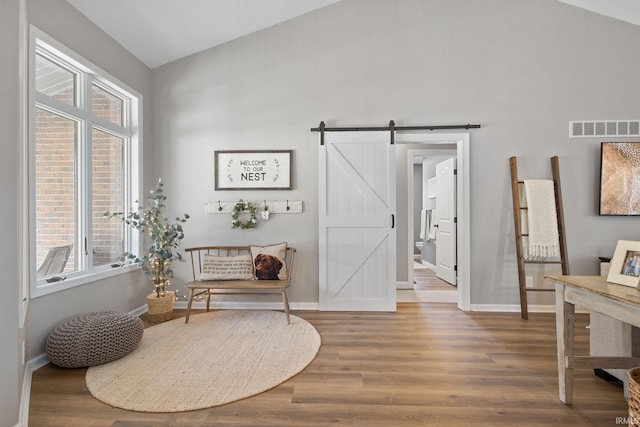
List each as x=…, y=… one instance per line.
x=43, y=289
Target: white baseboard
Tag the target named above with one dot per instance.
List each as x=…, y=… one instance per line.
x=33, y=364
x=24, y=399
x=428, y=265
x=37, y=362
x=404, y=285
x=140, y=310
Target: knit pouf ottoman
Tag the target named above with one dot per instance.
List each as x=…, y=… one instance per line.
x=94, y=338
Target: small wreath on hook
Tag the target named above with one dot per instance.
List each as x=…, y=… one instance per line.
x=240, y=207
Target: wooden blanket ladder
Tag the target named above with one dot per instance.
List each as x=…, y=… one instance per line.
x=516, y=186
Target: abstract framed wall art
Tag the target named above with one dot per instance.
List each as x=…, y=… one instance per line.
x=619, y=178
x=253, y=170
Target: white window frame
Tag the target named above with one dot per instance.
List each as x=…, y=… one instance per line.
x=23, y=165
x=131, y=130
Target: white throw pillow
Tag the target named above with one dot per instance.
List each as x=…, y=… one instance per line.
x=269, y=261
x=238, y=267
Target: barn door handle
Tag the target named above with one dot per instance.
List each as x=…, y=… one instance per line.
x=393, y=221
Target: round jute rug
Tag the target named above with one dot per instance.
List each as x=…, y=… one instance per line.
x=217, y=358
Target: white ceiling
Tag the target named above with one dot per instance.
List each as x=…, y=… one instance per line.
x=161, y=31
x=624, y=10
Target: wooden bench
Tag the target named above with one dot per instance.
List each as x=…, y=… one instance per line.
x=224, y=287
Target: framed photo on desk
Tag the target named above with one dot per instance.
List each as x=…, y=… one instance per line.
x=625, y=264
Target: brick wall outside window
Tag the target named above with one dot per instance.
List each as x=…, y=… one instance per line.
x=56, y=183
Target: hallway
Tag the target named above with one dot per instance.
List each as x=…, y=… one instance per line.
x=425, y=279
x=427, y=288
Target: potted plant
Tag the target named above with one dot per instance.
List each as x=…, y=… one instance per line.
x=165, y=237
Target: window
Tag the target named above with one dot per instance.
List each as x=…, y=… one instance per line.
x=84, y=162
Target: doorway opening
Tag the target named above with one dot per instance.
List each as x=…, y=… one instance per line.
x=432, y=149
x=434, y=250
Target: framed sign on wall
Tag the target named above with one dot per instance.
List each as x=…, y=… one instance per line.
x=253, y=170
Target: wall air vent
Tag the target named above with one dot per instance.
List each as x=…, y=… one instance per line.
x=598, y=128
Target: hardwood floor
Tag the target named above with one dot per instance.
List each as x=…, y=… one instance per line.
x=426, y=365
x=425, y=279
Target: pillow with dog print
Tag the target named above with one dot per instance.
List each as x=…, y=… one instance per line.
x=269, y=262
x=238, y=267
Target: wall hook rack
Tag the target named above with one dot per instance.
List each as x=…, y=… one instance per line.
x=273, y=206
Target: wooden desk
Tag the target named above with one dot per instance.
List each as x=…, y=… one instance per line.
x=595, y=294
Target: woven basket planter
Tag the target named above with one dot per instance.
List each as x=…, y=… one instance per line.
x=634, y=397
x=160, y=309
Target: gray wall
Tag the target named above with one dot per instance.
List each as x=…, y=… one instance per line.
x=11, y=367
x=521, y=68
x=126, y=292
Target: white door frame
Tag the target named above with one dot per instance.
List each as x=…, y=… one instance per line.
x=461, y=140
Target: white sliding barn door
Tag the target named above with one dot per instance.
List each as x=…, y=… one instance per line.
x=357, y=235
